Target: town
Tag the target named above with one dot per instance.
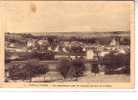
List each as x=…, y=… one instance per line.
x=65, y=56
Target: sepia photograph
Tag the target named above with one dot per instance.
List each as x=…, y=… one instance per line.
x=67, y=56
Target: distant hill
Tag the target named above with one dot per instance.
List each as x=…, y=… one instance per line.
x=72, y=34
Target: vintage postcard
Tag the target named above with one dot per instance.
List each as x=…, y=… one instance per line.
x=67, y=44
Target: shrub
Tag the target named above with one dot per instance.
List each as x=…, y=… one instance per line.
x=27, y=70
x=113, y=61
x=73, y=68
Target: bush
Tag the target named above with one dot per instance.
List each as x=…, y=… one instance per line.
x=64, y=67
x=79, y=67
x=71, y=68
x=27, y=70
x=113, y=61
